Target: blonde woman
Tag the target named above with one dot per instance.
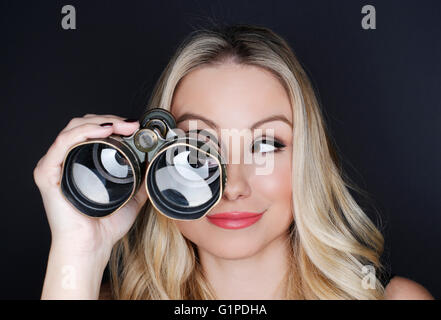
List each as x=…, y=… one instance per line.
x=295, y=233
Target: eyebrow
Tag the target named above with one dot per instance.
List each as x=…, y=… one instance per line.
x=189, y=115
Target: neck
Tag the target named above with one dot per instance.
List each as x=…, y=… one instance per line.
x=255, y=277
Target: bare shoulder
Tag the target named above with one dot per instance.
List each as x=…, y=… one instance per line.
x=400, y=288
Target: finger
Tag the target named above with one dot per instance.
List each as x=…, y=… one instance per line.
x=65, y=140
x=50, y=165
x=91, y=118
x=120, y=127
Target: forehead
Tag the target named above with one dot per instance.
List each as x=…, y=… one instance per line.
x=231, y=95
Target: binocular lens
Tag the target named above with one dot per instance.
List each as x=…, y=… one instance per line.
x=185, y=181
x=99, y=178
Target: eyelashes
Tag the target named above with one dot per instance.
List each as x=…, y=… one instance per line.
x=264, y=145
x=274, y=144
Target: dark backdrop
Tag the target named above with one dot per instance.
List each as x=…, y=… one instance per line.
x=379, y=89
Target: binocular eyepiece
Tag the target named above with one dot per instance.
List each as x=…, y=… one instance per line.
x=184, y=172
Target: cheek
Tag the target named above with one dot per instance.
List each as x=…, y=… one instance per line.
x=194, y=231
x=276, y=187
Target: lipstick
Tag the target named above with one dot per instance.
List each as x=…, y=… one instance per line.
x=234, y=219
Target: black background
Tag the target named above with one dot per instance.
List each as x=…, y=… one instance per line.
x=379, y=89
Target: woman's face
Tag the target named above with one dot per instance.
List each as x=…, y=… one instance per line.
x=232, y=97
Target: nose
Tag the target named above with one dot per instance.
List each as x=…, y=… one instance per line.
x=237, y=186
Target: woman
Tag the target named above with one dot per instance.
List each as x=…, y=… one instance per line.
x=308, y=239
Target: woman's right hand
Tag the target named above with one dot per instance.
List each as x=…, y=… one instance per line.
x=69, y=228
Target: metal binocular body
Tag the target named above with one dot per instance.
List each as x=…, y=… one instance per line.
x=183, y=173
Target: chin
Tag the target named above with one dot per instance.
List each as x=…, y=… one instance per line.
x=232, y=248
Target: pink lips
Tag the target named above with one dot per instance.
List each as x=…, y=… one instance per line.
x=235, y=219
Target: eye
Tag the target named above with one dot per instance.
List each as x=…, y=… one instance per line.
x=265, y=145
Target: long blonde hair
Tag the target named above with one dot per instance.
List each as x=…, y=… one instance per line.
x=333, y=241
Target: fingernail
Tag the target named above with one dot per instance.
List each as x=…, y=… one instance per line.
x=107, y=124
x=131, y=120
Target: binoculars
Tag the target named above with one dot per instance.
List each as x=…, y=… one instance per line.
x=185, y=174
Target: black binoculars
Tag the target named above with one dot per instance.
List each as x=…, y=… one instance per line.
x=185, y=174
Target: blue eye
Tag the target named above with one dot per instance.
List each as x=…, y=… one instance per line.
x=265, y=145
